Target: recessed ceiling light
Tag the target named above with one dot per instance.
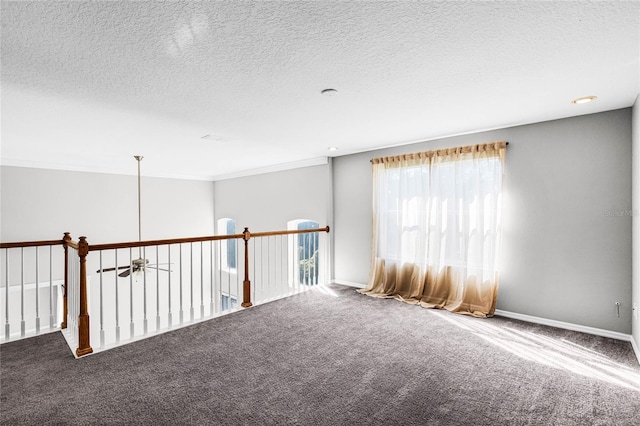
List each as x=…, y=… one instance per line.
x=333, y=148
x=329, y=92
x=583, y=100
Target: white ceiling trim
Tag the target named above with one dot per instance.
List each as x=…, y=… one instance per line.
x=275, y=168
x=76, y=168
x=10, y=162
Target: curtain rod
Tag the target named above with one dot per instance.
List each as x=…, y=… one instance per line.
x=506, y=143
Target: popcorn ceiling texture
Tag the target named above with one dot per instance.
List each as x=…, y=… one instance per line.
x=85, y=84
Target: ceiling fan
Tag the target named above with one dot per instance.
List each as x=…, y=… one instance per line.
x=139, y=264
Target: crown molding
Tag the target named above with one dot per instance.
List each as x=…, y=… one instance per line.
x=318, y=161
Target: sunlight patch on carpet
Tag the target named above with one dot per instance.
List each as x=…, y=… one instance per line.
x=551, y=352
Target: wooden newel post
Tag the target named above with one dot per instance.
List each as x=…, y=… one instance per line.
x=65, y=307
x=84, y=346
x=246, y=290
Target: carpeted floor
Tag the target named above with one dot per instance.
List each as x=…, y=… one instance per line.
x=329, y=357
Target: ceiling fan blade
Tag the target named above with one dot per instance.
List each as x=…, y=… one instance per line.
x=158, y=268
x=111, y=269
x=125, y=273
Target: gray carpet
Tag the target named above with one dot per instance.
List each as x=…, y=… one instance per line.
x=329, y=359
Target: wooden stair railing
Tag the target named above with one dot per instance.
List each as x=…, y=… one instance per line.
x=246, y=284
x=64, y=242
x=84, y=344
x=83, y=249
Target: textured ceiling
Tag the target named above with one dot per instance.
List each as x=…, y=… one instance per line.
x=86, y=85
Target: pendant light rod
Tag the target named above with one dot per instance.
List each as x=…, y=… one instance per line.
x=139, y=159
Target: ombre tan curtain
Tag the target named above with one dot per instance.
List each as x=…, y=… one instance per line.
x=436, y=236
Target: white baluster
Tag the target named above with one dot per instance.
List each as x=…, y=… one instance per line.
x=102, y=304
x=219, y=286
x=169, y=319
x=51, y=318
x=191, y=311
x=158, y=291
x=190, y=281
x=117, y=300
x=7, y=326
x=239, y=259
x=181, y=298
x=201, y=282
x=283, y=264
x=76, y=292
x=37, y=295
x=269, y=265
x=22, y=322
x=211, y=280
x=252, y=241
x=145, y=327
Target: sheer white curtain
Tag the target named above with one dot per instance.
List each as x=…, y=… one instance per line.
x=436, y=236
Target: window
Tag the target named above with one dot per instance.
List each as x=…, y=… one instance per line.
x=305, y=256
x=227, y=226
x=437, y=227
x=307, y=248
x=445, y=210
x=228, y=302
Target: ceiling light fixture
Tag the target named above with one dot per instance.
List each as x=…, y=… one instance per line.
x=137, y=266
x=583, y=100
x=329, y=92
x=333, y=148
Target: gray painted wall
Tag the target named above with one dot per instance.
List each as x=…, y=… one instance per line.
x=39, y=204
x=566, y=251
x=635, y=320
x=566, y=238
x=266, y=202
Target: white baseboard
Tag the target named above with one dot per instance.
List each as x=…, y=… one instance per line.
x=636, y=348
x=348, y=283
x=565, y=325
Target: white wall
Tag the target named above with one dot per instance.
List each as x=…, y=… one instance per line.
x=39, y=204
x=266, y=202
x=566, y=230
x=636, y=225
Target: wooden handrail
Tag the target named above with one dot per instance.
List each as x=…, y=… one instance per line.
x=31, y=244
x=292, y=231
x=73, y=244
x=131, y=244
